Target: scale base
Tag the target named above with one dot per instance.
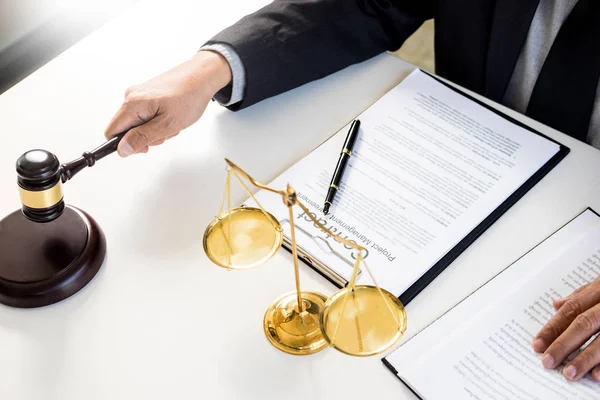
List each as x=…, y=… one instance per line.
x=44, y=263
x=292, y=332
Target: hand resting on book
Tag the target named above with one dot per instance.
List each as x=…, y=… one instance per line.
x=577, y=320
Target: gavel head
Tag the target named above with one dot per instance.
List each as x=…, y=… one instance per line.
x=40, y=186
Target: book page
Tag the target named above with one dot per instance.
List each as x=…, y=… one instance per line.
x=428, y=166
x=485, y=352
x=542, y=254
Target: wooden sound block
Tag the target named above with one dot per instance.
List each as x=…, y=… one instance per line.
x=44, y=263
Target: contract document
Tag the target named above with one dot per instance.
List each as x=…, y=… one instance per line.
x=431, y=169
x=482, y=348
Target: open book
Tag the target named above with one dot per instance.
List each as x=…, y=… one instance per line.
x=431, y=170
x=482, y=348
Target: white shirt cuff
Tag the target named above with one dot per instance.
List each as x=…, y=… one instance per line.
x=237, y=71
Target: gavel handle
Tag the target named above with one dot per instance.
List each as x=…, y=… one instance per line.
x=89, y=158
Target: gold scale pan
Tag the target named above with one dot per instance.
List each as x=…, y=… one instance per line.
x=359, y=320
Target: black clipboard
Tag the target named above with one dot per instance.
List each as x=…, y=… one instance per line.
x=447, y=259
x=453, y=254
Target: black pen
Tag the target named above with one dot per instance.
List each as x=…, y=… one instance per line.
x=341, y=165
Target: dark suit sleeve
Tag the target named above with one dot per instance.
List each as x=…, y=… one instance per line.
x=292, y=42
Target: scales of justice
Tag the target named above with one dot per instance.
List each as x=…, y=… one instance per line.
x=50, y=250
x=359, y=320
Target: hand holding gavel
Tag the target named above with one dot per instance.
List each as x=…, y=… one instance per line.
x=159, y=109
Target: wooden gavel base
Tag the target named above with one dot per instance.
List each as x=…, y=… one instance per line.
x=44, y=263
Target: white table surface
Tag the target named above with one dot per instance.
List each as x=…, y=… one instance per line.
x=160, y=321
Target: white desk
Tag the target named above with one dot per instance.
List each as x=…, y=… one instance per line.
x=154, y=323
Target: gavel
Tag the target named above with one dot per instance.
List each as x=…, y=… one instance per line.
x=49, y=250
x=40, y=178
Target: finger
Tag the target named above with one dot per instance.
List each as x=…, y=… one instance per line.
x=558, y=303
x=580, y=331
x=158, y=142
x=141, y=136
x=584, y=362
x=557, y=325
x=567, y=313
x=596, y=373
x=144, y=150
x=161, y=141
x=130, y=114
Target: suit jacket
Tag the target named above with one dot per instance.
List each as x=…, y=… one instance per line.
x=291, y=42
